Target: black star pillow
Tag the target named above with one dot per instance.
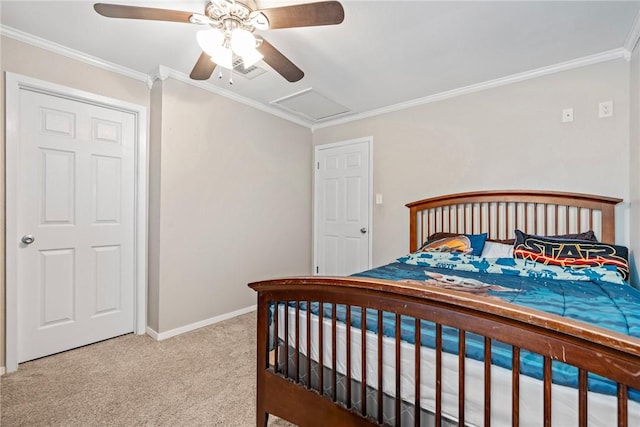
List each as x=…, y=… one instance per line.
x=571, y=253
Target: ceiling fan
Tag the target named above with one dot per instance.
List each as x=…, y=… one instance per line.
x=232, y=24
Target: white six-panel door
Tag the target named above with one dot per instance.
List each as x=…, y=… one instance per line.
x=342, y=208
x=75, y=197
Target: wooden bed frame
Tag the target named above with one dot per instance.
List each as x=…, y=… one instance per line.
x=591, y=349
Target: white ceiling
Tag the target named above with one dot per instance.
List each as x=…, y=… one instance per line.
x=385, y=53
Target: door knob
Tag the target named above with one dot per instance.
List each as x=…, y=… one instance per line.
x=28, y=239
x=363, y=230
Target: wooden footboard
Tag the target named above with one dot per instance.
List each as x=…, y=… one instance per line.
x=285, y=386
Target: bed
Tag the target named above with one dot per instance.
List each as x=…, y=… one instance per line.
x=390, y=347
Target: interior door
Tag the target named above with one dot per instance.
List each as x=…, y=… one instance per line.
x=343, y=208
x=75, y=223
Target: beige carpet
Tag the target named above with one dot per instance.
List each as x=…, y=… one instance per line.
x=202, y=378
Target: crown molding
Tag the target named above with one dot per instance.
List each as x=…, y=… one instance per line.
x=160, y=73
x=202, y=84
x=514, y=78
x=633, y=36
x=70, y=53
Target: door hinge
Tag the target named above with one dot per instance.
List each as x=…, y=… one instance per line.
x=317, y=269
x=318, y=166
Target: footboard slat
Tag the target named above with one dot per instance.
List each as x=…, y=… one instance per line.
x=275, y=340
x=582, y=397
x=622, y=405
x=461, y=374
x=398, y=369
x=363, y=357
x=321, y=350
x=416, y=403
x=438, y=374
x=487, y=382
x=515, y=386
x=348, y=398
x=547, y=391
x=297, y=347
x=286, y=340
x=334, y=388
x=308, y=367
x=380, y=419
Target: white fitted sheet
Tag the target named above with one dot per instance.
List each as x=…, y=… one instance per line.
x=602, y=409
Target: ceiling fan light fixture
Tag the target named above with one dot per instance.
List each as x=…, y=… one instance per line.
x=251, y=58
x=209, y=40
x=223, y=57
x=212, y=43
x=242, y=42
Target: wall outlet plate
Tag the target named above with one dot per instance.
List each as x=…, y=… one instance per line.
x=605, y=109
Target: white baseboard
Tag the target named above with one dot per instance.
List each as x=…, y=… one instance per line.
x=159, y=336
x=2, y=370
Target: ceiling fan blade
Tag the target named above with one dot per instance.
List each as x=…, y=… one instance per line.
x=279, y=62
x=135, y=12
x=305, y=15
x=204, y=68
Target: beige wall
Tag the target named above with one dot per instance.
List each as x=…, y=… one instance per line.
x=634, y=160
x=21, y=58
x=505, y=137
x=235, y=203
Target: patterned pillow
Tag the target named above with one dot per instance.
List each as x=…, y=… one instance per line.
x=471, y=244
x=571, y=253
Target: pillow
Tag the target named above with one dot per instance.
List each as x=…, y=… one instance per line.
x=471, y=244
x=571, y=253
x=497, y=250
x=440, y=235
x=587, y=235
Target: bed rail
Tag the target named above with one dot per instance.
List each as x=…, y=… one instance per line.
x=284, y=381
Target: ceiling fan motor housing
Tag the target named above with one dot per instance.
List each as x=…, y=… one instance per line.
x=230, y=15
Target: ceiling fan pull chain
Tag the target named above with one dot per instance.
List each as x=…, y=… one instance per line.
x=230, y=77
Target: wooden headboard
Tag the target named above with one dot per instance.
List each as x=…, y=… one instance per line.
x=498, y=213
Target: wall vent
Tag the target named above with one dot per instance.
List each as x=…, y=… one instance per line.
x=250, y=73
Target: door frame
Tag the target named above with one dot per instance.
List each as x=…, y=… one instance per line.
x=316, y=193
x=14, y=83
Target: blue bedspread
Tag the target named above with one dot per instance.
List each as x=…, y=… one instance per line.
x=611, y=306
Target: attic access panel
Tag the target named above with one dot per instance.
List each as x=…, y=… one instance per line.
x=311, y=104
